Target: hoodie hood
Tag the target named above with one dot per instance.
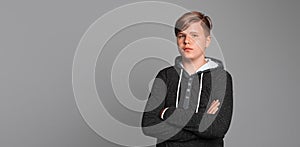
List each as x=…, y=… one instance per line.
x=212, y=64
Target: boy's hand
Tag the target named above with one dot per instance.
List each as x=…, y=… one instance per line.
x=213, y=107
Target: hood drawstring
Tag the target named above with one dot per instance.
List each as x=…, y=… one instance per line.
x=199, y=94
x=178, y=86
x=212, y=64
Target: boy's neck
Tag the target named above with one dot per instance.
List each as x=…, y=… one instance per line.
x=191, y=66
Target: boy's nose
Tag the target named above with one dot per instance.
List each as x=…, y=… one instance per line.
x=187, y=40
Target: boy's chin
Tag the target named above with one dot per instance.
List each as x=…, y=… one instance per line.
x=188, y=57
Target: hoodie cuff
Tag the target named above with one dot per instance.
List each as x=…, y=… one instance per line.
x=166, y=112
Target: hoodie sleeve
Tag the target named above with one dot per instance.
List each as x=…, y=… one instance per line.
x=152, y=125
x=203, y=124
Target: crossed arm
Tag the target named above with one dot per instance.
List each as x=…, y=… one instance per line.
x=152, y=124
x=210, y=123
x=182, y=125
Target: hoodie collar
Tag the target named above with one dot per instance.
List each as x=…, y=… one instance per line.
x=211, y=64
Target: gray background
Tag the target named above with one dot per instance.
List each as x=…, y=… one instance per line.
x=259, y=41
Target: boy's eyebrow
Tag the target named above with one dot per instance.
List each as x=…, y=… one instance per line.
x=193, y=32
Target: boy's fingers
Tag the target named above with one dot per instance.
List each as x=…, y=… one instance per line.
x=210, y=107
x=215, y=110
x=214, y=102
x=214, y=107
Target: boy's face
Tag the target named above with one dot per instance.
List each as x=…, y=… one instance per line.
x=193, y=41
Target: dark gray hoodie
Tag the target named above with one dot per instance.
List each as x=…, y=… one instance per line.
x=175, y=112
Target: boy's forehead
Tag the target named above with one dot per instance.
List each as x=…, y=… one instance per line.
x=190, y=31
x=193, y=28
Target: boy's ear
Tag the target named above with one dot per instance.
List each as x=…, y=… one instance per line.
x=208, y=40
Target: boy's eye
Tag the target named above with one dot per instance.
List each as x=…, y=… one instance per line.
x=180, y=36
x=194, y=35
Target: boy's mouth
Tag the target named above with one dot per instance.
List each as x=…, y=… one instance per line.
x=187, y=49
